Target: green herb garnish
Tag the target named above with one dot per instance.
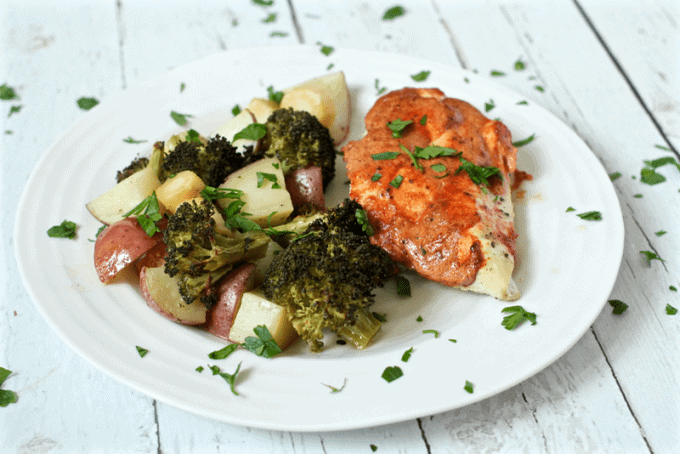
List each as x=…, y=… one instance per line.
x=392, y=373
x=334, y=389
x=478, y=175
x=517, y=316
x=236, y=110
x=469, y=387
x=66, y=229
x=379, y=90
x=570, y=209
x=229, y=378
x=670, y=310
x=591, y=216
x=396, y=182
x=142, y=351
x=180, y=119
x=519, y=65
x=131, y=140
x=497, y=73
x=254, y=131
x=269, y=19
x=148, y=214
x=619, y=306
x=6, y=396
x=13, y=110
x=489, y=105
x=614, y=176
x=87, y=103
x=397, y=127
x=385, y=155
x=407, y=355
x=264, y=344
x=393, y=12
x=521, y=143
x=212, y=193
x=7, y=93
x=362, y=219
x=278, y=34
x=275, y=96
x=223, y=352
x=262, y=177
x=403, y=286
x=326, y=50
x=649, y=256
x=421, y=76
x=431, y=331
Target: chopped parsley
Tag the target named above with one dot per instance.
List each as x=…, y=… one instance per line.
x=87, y=103
x=489, y=105
x=374, y=448
x=648, y=174
x=6, y=396
x=570, y=209
x=263, y=176
x=523, y=103
x=148, y=214
x=438, y=167
x=403, y=286
x=638, y=196
x=649, y=256
x=423, y=120
x=478, y=175
x=386, y=155
x=672, y=288
x=497, y=73
x=275, y=96
x=269, y=19
x=469, y=387
x=419, y=319
x=660, y=233
x=453, y=340
x=539, y=88
x=263, y=2
x=521, y=143
x=182, y=86
x=590, y=216
x=670, y=310
x=421, y=76
x=213, y=193
x=264, y=344
x=362, y=219
x=326, y=50
x=180, y=119
x=131, y=140
x=614, y=176
x=519, y=65
x=334, y=389
x=67, y=229
x=517, y=316
x=619, y=306
x=661, y=147
x=199, y=369
x=224, y=352
x=407, y=355
x=142, y=351
x=396, y=182
x=229, y=378
x=376, y=176
x=7, y=93
x=13, y=110
x=431, y=331
x=236, y=110
x=397, y=127
x=278, y=34
x=393, y=12
x=392, y=373
x=254, y=131
x=379, y=90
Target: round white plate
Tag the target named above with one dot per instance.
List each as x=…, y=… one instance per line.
x=567, y=266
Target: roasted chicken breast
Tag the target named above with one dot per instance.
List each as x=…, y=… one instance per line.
x=428, y=214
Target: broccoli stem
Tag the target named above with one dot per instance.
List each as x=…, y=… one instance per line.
x=364, y=329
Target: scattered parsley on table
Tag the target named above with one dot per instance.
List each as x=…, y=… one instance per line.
x=619, y=306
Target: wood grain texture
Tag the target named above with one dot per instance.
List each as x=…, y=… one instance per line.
x=607, y=72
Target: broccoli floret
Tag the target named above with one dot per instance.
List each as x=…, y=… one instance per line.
x=136, y=165
x=199, y=256
x=299, y=140
x=212, y=159
x=326, y=277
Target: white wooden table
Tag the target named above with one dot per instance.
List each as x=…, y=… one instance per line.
x=610, y=70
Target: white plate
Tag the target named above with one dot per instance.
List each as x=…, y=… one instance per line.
x=566, y=269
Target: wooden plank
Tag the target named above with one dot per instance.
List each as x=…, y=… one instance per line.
x=64, y=403
x=644, y=40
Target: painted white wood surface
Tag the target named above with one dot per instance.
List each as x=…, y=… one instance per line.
x=610, y=71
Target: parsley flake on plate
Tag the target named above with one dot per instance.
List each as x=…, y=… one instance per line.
x=403, y=286
x=13, y=110
x=148, y=214
x=469, y=387
x=393, y=12
x=570, y=209
x=269, y=19
x=421, y=76
x=672, y=288
x=7, y=93
x=273, y=95
x=142, y=351
x=129, y=139
x=334, y=389
x=392, y=373
x=179, y=118
x=489, y=105
x=519, y=65
x=590, y=216
x=670, y=310
x=87, y=103
x=431, y=331
x=326, y=50
x=407, y=355
x=497, y=73
x=254, y=131
x=223, y=352
x=517, y=316
x=229, y=378
x=378, y=89
x=521, y=143
x=66, y=229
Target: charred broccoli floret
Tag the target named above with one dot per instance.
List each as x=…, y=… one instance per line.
x=299, y=140
x=199, y=256
x=212, y=159
x=136, y=165
x=326, y=278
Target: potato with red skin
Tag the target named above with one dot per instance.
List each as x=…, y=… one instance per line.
x=152, y=258
x=119, y=245
x=221, y=316
x=305, y=186
x=161, y=294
